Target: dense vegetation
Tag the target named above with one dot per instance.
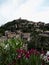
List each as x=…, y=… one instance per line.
x=11, y=24
x=23, y=25
x=13, y=53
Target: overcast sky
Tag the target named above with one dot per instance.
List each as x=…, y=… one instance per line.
x=34, y=10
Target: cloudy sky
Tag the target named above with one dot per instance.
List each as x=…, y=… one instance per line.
x=34, y=10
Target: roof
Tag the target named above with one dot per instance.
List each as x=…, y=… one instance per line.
x=26, y=35
x=44, y=35
x=46, y=31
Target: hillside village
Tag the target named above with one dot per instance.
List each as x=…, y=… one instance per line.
x=27, y=30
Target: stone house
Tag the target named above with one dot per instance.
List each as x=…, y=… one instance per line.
x=46, y=32
x=26, y=36
x=10, y=34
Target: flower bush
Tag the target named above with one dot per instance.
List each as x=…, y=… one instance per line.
x=12, y=53
x=31, y=57
x=45, y=57
x=8, y=51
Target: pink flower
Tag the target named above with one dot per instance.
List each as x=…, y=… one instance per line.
x=21, y=51
x=19, y=56
x=37, y=52
x=34, y=51
x=48, y=56
x=31, y=51
x=27, y=54
x=48, y=59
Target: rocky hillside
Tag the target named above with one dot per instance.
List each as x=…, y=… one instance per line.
x=23, y=25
